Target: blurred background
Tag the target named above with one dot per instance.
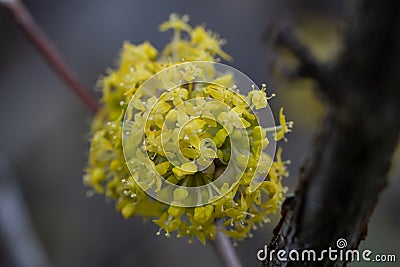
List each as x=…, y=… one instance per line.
x=45, y=127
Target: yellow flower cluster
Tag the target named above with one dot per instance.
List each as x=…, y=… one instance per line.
x=241, y=207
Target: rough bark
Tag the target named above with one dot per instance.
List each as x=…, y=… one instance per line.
x=341, y=182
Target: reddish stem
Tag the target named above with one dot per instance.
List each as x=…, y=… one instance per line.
x=32, y=30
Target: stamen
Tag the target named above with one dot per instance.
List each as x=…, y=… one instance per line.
x=159, y=231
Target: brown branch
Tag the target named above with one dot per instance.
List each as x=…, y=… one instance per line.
x=309, y=66
x=45, y=47
x=340, y=184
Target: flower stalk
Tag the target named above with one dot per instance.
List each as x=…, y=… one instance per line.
x=226, y=251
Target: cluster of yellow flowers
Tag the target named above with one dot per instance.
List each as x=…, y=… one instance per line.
x=227, y=120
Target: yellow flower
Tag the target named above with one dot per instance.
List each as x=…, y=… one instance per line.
x=176, y=23
x=259, y=97
x=176, y=95
x=191, y=72
x=180, y=194
x=231, y=120
x=186, y=136
x=284, y=127
x=206, y=40
x=203, y=214
x=185, y=169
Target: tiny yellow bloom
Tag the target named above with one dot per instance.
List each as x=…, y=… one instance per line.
x=284, y=126
x=176, y=23
x=185, y=169
x=203, y=214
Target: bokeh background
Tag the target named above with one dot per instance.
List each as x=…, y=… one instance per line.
x=45, y=128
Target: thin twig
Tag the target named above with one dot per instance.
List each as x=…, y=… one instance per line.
x=226, y=251
x=309, y=66
x=32, y=30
